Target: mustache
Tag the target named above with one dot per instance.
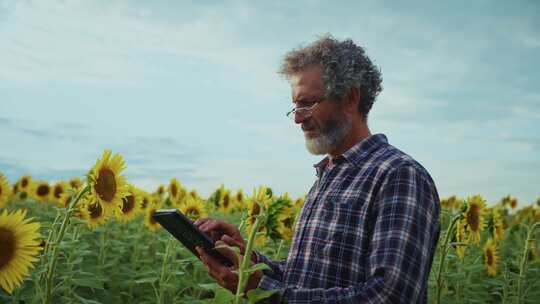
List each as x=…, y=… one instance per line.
x=307, y=126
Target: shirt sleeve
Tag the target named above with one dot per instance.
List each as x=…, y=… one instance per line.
x=276, y=267
x=405, y=230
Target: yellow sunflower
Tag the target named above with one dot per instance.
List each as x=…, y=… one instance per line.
x=93, y=212
x=226, y=203
x=41, y=191
x=174, y=190
x=107, y=186
x=160, y=190
x=474, y=217
x=285, y=222
x=19, y=239
x=239, y=200
x=146, y=199
x=193, y=208
x=24, y=183
x=495, y=224
x=460, y=238
x=513, y=203
x=149, y=221
x=57, y=190
x=131, y=205
x=75, y=183
x=5, y=190
x=490, y=257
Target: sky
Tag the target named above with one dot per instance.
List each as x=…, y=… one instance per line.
x=189, y=89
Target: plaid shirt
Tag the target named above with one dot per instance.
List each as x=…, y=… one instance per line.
x=367, y=232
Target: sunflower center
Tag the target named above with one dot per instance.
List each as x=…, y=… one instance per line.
x=106, y=185
x=226, y=201
x=489, y=256
x=152, y=220
x=95, y=210
x=0, y=190
x=58, y=191
x=472, y=217
x=43, y=190
x=288, y=222
x=174, y=190
x=193, y=211
x=128, y=204
x=144, y=202
x=7, y=243
x=24, y=183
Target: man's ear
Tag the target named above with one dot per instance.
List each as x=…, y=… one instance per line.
x=353, y=100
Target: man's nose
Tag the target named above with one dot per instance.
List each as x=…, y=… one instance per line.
x=298, y=119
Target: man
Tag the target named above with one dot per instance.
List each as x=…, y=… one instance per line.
x=369, y=227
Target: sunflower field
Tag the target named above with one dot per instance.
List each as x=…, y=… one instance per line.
x=92, y=239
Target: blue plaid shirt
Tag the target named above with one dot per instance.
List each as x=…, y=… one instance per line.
x=367, y=232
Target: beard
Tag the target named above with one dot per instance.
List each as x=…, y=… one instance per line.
x=331, y=133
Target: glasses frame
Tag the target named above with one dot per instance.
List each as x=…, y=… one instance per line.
x=305, y=111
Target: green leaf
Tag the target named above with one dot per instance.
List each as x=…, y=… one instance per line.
x=257, y=294
x=88, y=282
x=145, y=280
x=223, y=296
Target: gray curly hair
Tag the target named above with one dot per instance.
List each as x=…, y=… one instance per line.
x=344, y=65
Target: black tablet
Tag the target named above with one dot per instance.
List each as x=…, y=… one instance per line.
x=187, y=233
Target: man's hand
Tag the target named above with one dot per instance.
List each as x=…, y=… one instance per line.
x=223, y=274
x=222, y=234
x=220, y=230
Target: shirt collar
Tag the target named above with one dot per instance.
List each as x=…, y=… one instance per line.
x=356, y=153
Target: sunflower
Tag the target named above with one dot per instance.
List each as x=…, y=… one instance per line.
x=538, y=202
x=146, y=199
x=490, y=257
x=474, y=217
x=495, y=224
x=41, y=191
x=5, y=190
x=65, y=199
x=285, y=222
x=57, y=190
x=131, y=205
x=193, y=208
x=195, y=195
x=107, y=186
x=24, y=183
x=226, y=203
x=174, y=190
x=460, y=238
x=93, y=212
x=75, y=182
x=149, y=220
x=20, y=247
x=160, y=190
x=239, y=200
x=513, y=203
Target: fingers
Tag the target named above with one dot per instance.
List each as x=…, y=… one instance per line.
x=232, y=242
x=221, y=273
x=216, y=229
x=228, y=253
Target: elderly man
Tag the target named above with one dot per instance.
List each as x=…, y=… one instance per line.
x=369, y=227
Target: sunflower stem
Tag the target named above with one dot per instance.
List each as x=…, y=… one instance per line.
x=57, y=240
x=444, y=251
x=164, y=264
x=530, y=231
x=242, y=271
x=276, y=256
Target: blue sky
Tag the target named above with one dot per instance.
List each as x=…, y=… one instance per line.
x=189, y=89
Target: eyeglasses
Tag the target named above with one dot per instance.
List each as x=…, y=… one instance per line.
x=304, y=112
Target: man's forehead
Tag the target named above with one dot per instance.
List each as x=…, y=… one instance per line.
x=307, y=83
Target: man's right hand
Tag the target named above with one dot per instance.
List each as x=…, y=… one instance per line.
x=220, y=230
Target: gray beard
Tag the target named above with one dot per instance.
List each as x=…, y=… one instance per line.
x=331, y=135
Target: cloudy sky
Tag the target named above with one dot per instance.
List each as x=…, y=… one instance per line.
x=189, y=89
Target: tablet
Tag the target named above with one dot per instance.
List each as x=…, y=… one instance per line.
x=187, y=233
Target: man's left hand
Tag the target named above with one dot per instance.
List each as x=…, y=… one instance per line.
x=223, y=274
